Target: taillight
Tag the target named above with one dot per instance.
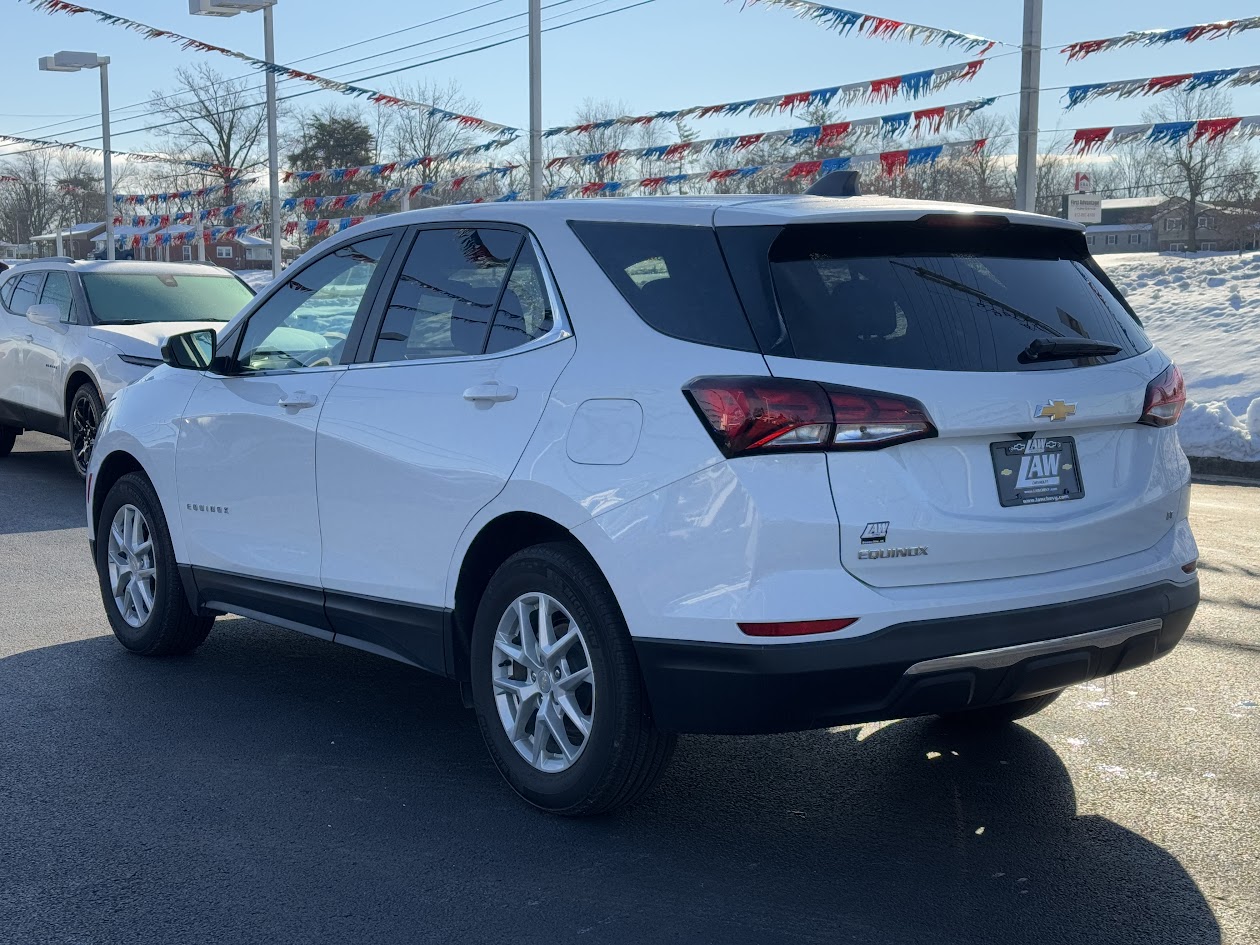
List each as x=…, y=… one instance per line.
x=769, y=414
x=1165, y=398
x=796, y=628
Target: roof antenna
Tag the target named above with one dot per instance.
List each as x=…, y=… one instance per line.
x=837, y=184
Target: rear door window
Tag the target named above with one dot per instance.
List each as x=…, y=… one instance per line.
x=948, y=300
x=674, y=277
x=57, y=292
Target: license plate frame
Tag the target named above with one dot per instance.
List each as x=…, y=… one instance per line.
x=1036, y=471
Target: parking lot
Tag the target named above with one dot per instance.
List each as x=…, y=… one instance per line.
x=275, y=788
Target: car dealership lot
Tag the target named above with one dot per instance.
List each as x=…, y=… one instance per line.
x=275, y=788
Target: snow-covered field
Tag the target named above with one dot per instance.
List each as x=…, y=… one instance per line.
x=1204, y=311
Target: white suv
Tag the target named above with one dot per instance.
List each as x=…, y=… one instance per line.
x=629, y=468
x=74, y=334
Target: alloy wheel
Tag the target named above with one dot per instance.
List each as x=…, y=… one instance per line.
x=543, y=682
x=83, y=426
x=132, y=565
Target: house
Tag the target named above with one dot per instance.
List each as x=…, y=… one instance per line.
x=1130, y=209
x=1173, y=227
x=1105, y=238
x=77, y=240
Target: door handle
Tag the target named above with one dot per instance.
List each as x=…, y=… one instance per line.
x=298, y=401
x=30, y=339
x=490, y=393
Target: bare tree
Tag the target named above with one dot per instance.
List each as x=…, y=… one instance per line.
x=412, y=133
x=29, y=202
x=213, y=119
x=1193, y=170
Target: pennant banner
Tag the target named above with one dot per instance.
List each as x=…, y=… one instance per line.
x=131, y=200
x=1189, y=82
x=331, y=85
x=910, y=85
x=131, y=155
x=1183, y=34
x=888, y=163
x=928, y=120
x=878, y=27
x=384, y=170
x=1087, y=140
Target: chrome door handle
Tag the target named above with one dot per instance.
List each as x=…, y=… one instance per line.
x=298, y=401
x=490, y=393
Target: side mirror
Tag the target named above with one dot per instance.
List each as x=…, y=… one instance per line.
x=191, y=351
x=49, y=316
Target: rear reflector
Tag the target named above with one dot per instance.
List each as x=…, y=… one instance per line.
x=1191, y=566
x=1165, y=398
x=797, y=628
x=769, y=414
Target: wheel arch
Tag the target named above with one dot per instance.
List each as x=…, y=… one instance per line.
x=498, y=540
x=78, y=376
x=113, y=467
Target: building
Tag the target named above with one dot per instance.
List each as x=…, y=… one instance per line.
x=1105, y=238
x=77, y=241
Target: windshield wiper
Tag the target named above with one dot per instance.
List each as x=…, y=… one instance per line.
x=1065, y=349
x=932, y=276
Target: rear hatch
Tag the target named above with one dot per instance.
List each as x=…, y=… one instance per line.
x=1032, y=371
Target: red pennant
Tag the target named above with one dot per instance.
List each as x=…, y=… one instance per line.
x=723, y=174
x=1087, y=139
x=651, y=183
x=880, y=26
x=1165, y=82
x=934, y=118
x=1213, y=128
x=803, y=169
x=791, y=101
x=894, y=162
x=747, y=141
x=884, y=89
x=677, y=150
x=592, y=188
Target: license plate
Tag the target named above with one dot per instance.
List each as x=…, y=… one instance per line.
x=1036, y=470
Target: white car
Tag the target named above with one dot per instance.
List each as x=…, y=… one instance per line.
x=73, y=334
x=632, y=468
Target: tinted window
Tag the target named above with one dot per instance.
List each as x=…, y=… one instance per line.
x=57, y=292
x=674, y=277
x=306, y=322
x=6, y=290
x=133, y=297
x=445, y=297
x=524, y=312
x=26, y=293
x=941, y=299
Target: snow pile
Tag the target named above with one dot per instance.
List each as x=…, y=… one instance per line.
x=1204, y=311
x=257, y=279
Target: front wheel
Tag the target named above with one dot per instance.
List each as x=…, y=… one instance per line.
x=140, y=584
x=557, y=689
x=86, y=410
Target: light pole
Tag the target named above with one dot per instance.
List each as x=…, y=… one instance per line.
x=535, y=100
x=74, y=62
x=232, y=8
x=1029, y=100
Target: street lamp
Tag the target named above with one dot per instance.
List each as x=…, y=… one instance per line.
x=74, y=62
x=232, y=8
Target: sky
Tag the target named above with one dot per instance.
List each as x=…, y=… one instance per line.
x=663, y=54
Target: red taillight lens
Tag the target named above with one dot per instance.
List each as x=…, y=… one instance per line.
x=796, y=628
x=768, y=414
x=1165, y=398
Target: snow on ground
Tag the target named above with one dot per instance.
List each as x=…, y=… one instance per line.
x=256, y=278
x=1204, y=312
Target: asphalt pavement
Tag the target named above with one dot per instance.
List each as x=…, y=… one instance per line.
x=274, y=788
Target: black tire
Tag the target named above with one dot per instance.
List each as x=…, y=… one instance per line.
x=624, y=754
x=1004, y=713
x=172, y=628
x=8, y=436
x=82, y=422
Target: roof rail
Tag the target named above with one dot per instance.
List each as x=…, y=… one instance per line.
x=45, y=259
x=837, y=184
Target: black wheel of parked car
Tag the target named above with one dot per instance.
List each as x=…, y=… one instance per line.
x=1001, y=714
x=86, y=411
x=140, y=584
x=557, y=688
x=8, y=436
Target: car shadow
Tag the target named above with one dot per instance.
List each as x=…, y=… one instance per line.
x=39, y=488
x=276, y=788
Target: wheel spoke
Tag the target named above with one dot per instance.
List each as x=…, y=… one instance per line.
x=144, y=548
x=553, y=723
x=529, y=642
x=546, y=634
x=122, y=576
x=551, y=653
x=575, y=679
x=514, y=653
x=524, y=712
x=570, y=707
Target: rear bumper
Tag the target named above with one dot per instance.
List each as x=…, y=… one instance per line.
x=917, y=668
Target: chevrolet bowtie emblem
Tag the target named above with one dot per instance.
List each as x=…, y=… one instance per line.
x=1055, y=410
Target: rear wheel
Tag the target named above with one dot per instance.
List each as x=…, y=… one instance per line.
x=84, y=420
x=8, y=436
x=140, y=584
x=557, y=688
x=993, y=716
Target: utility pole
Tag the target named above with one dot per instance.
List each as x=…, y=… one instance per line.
x=273, y=144
x=1029, y=99
x=535, y=100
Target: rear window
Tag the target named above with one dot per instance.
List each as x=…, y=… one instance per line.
x=933, y=298
x=674, y=277
x=134, y=298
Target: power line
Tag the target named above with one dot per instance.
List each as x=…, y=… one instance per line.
x=502, y=42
